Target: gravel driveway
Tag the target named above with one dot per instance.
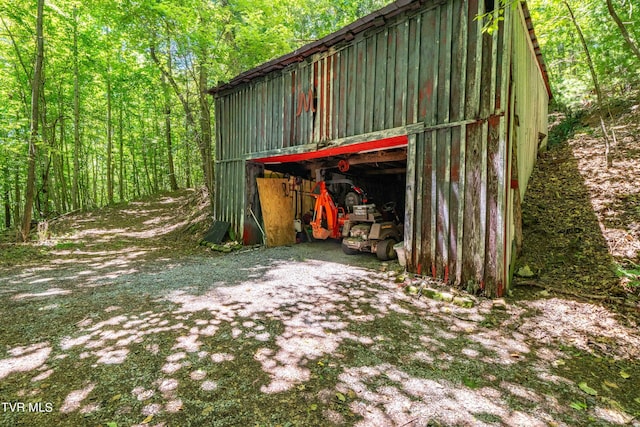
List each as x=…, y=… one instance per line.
x=293, y=336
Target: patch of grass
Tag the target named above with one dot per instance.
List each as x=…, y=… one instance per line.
x=68, y=245
x=15, y=254
x=565, y=129
x=630, y=273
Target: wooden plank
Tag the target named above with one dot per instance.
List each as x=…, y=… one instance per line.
x=301, y=96
x=251, y=106
x=286, y=109
x=262, y=116
x=494, y=241
x=443, y=150
x=313, y=112
x=329, y=92
x=277, y=212
x=370, y=80
x=410, y=217
x=434, y=204
x=350, y=69
x=278, y=117
x=416, y=248
x=474, y=61
x=390, y=90
x=342, y=94
x=457, y=106
x=413, y=76
x=361, y=83
x=455, y=205
x=222, y=128
x=380, y=86
x=475, y=198
x=236, y=124
x=401, y=75
x=337, y=108
x=322, y=99
x=429, y=66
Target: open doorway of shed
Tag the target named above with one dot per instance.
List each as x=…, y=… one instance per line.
x=377, y=167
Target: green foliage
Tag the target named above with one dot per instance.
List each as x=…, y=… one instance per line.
x=630, y=272
x=565, y=129
x=617, y=68
x=116, y=70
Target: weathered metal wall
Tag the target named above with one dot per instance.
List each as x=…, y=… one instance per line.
x=528, y=120
x=429, y=73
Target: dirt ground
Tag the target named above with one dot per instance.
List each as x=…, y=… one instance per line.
x=119, y=318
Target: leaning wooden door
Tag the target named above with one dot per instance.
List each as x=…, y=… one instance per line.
x=277, y=211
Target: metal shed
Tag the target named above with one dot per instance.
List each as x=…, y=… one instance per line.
x=421, y=95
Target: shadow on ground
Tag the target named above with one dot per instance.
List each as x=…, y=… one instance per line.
x=569, y=239
x=278, y=337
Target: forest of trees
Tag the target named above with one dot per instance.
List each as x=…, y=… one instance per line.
x=103, y=101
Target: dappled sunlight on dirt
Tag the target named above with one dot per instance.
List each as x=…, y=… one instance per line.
x=25, y=358
x=342, y=343
x=130, y=332
x=614, y=191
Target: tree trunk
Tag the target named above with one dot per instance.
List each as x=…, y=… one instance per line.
x=173, y=183
x=33, y=136
x=205, y=127
x=634, y=47
x=17, y=199
x=109, y=142
x=75, y=186
x=596, y=84
x=6, y=195
x=121, y=152
x=203, y=141
x=59, y=164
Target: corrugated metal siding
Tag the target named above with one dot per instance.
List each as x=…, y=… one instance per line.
x=528, y=117
x=431, y=67
x=530, y=99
